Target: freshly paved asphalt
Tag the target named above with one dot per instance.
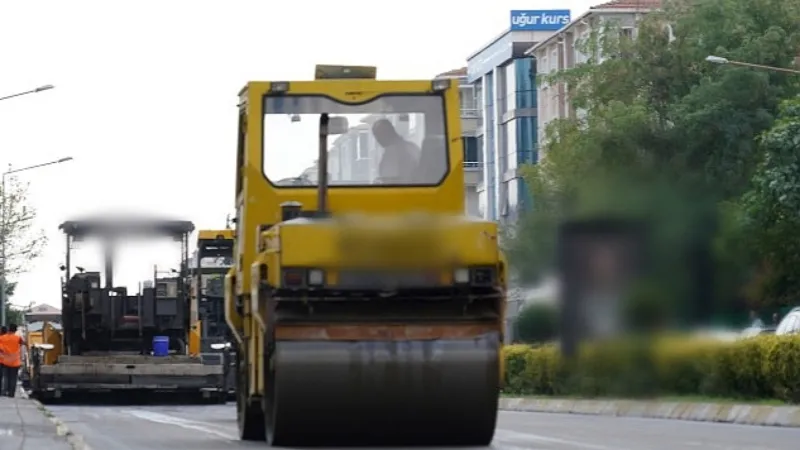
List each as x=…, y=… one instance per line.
x=214, y=427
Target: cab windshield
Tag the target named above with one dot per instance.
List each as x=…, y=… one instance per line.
x=212, y=275
x=393, y=139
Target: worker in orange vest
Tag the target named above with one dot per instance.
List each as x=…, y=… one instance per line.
x=3, y=331
x=11, y=348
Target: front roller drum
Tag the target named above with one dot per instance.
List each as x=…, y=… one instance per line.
x=437, y=392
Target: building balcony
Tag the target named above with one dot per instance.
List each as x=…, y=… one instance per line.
x=473, y=173
x=470, y=113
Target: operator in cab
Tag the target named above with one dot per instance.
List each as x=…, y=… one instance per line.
x=400, y=157
x=11, y=351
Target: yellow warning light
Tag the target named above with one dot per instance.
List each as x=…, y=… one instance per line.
x=325, y=72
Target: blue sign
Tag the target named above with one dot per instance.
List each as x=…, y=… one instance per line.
x=492, y=56
x=538, y=20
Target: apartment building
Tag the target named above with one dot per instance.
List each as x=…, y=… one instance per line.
x=562, y=51
x=473, y=162
x=504, y=82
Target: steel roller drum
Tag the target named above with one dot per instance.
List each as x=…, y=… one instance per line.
x=340, y=393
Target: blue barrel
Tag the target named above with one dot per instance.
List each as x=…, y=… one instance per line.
x=160, y=345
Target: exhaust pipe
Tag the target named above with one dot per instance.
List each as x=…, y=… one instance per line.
x=322, y=166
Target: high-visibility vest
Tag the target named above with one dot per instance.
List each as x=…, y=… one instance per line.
x=11, y=347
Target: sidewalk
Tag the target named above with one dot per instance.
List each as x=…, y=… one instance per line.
x=24, y=426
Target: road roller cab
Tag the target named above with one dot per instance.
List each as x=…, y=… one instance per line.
x=366, y=308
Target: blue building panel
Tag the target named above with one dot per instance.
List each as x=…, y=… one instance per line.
x=539, y=20
x=508, y=109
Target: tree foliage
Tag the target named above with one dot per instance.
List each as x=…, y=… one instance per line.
x=774, y=207
x=15, y=314
x=662, y=135
x=23, y=242
x=537, y=323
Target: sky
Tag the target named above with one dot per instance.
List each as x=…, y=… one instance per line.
x=146, y=93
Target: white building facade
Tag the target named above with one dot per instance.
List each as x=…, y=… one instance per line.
x=473, y=162
x=504, y=82
x=562, y=50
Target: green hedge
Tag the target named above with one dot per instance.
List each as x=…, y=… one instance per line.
x=764, y=367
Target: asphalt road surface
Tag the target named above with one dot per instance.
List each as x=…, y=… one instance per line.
x=214, y=427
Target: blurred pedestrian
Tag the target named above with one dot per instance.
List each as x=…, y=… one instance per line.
x=755, y=321
x=11, y=347
x=3, y=330
x=776, y=319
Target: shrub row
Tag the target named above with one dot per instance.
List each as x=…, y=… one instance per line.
x=764, y=367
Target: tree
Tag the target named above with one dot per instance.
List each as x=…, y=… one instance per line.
x=665, y=137
x=537, y=323
x=774, y=207
x=15, y=314
x=23, y=242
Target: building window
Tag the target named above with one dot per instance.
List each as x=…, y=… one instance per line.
x=526, y=140
x=513, y=194
x=363, y=146
x=510, y=82
x=626, y=33
x=502, y=148
x=468, y=102
x=577, y=46
x=525, y=75
x=471, y=151
x=512, y=155
x=543, y=99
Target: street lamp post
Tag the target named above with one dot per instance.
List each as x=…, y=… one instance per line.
x=46, y=87
x=4, y=230
x=720, y=60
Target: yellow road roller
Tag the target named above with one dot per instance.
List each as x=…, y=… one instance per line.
x=365, y=307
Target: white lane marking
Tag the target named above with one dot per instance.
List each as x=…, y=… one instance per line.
x=515, y=436
x=179, y=422
x=6, y=432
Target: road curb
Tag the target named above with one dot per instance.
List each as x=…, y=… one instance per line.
x=75, y=441
x=777, y=416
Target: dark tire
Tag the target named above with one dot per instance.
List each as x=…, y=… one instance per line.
x=221, y=398
x=269, y=406
x=249, y=415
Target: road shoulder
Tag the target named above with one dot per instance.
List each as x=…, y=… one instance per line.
x=27, y=422
x=767, y=415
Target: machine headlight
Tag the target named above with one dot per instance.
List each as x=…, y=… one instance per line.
x=440, y=85
x=294, y=278
x=461, y=276
x=316, y=277
x=279, y=86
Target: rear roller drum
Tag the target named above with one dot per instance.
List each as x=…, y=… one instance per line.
x=325, y=393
